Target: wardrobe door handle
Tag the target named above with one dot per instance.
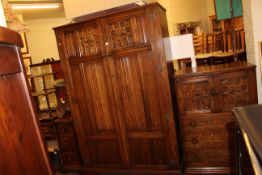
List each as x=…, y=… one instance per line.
x=213, y=92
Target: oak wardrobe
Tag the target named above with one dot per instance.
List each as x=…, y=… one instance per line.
x=115, y=71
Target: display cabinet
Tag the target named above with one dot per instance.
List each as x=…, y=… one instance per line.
x=47, y=84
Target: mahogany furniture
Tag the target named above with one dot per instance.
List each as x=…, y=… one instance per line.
x=205, y=99
x=116, y=76
x=22, y=149
x=249, y=120
x=62, y=130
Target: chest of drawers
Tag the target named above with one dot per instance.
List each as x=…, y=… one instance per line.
x=62, y=130
x=205, y=99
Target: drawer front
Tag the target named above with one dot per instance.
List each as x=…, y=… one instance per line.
x=192, y=123
x=70, y=159
x=65, y=129
x=48, y=129
x=216, y=138
x=210, y=158
x=208, y=131
x=67, y=144
x=9, y=62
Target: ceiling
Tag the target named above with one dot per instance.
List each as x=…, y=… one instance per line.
x=39, y=13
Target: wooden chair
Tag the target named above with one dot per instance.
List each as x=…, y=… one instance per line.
x=240, y=47
x=203, y=48
x=224, y=48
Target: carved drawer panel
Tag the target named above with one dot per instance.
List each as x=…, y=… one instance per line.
x=67, y=144
x=65, y=129
x=70, y=159
x=210, y=158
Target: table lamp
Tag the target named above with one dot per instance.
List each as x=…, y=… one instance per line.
x=178, y=47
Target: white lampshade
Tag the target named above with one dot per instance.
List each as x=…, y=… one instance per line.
x=2, y=16
x=178, y=47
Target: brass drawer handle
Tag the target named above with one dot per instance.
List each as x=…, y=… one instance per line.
x=196, y=159
x=193, y=124
x=69, y=158
x=194, y=141
x=66, y=143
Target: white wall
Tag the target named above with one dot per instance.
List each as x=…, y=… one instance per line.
x=177, y=10
x=253, y=33
x=41, y=38
x=210, y=7
x=2, y=16
x=186, y=11
x=74, y=8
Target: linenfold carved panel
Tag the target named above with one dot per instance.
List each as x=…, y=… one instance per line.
x=70, y=44
x=197, y=96
x=234, y=92
x=121, y=34
x=88, y=39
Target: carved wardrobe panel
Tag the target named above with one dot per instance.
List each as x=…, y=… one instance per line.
x=114, y=70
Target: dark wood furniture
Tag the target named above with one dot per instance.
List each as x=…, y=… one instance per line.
x=249, y=120
x=62, y=130
x=22, y=149
x=115, y=72
x=205, y=99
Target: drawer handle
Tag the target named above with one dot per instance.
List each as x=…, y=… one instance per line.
x=194, y=141
x=196, y=159
x=63, y=129
x=69, y=158
x=66, y=143
x=193, y=124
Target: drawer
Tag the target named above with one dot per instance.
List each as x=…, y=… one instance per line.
x=67, y=144
x=70, y=159
x=204, y=121
x=9, y=62
x=210, y=158
x=48, y=129
x=216, y=138
x=65, y=129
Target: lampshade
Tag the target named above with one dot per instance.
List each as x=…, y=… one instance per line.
x=2, y=16
x=178, y=47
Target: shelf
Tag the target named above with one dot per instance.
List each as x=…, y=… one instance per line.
x=44, y=92
x=44, y=75
x=45, y=116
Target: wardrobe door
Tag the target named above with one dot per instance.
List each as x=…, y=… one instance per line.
x=135, y=76
x=93, y=100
